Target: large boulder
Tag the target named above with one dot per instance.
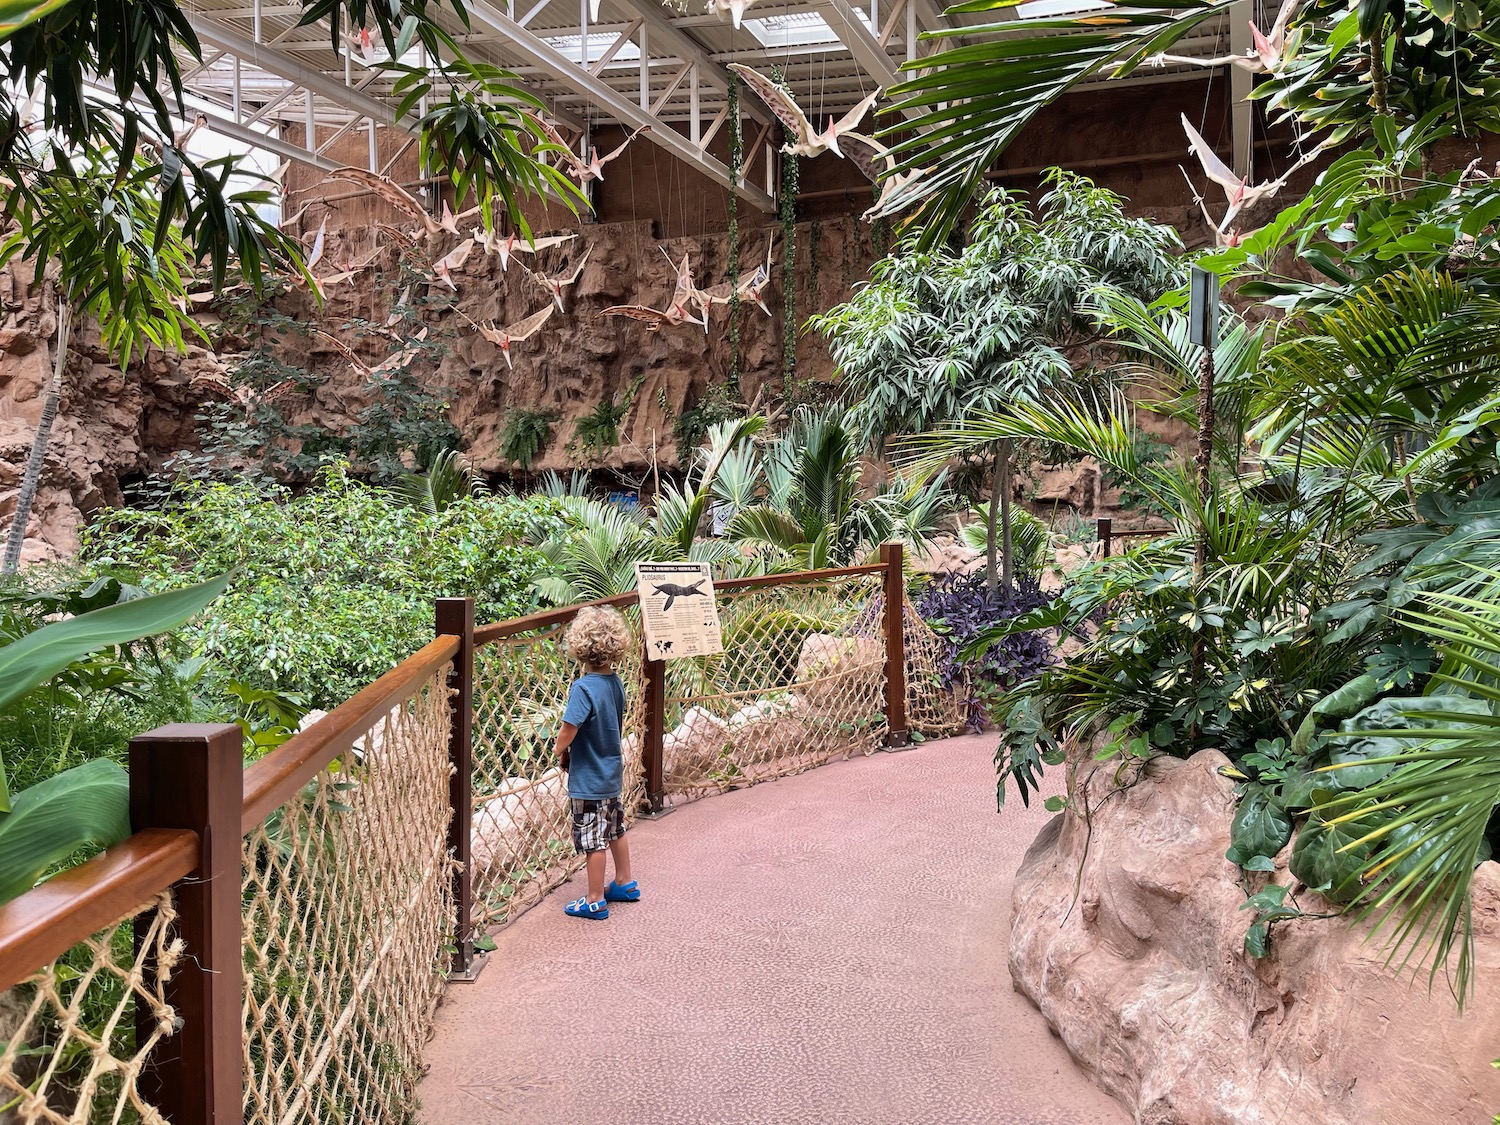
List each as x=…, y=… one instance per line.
x=841, y=677
x=513, y=826
x=693, y=751
x=1128, y=935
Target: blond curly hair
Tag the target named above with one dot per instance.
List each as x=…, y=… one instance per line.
x=597, y=637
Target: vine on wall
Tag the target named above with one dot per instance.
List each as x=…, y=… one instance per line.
x=736, y=166
x=789, y=187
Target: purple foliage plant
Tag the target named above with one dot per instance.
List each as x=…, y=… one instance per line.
x=959, y=607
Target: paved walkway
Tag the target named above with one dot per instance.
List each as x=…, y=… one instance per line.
x=826, y=949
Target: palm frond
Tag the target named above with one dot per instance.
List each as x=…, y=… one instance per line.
x=972, y=101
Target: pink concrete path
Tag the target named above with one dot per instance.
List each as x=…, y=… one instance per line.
x=826, y=949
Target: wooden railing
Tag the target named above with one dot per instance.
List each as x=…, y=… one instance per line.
x=192, y=801
x=1108, y=536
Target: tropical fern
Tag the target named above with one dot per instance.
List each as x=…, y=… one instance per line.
x=525, y=436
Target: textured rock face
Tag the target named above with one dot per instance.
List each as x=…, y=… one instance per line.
x=111, y=425
x=1139, y=967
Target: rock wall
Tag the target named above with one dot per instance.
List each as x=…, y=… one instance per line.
x=112, y=423
x=1137, y=963
x=581, y=357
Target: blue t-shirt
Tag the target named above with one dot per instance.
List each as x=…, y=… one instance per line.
x=595, y=703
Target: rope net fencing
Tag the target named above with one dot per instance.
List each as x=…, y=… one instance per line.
x=347, y=920
x=801, y=682
x=70, y=1048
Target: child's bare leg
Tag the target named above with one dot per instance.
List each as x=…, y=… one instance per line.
x=595, y=863
x=620, y=850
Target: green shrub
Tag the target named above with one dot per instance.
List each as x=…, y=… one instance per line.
x=333, y=587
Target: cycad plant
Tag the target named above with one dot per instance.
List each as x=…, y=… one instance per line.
x=804, y=509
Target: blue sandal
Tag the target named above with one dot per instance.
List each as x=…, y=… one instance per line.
x=622, y=892
x=583, y=908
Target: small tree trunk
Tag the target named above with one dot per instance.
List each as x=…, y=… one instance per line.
x=1379, y=98
x=992, y=530
x=32, y=478
x=1007, y=552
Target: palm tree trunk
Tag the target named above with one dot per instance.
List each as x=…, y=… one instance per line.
x=1204, y=455
x=1007, y=552
x=32, y=478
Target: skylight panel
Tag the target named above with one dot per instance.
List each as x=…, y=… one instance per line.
x=797, y=29
x=571, y=46
x=1044, y=9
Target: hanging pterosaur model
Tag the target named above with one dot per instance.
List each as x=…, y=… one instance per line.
x=676, y=311
x=808, y=142
x=1266, y=54
x=576, y=167
x=1222, y=238
x=362, y=41
x=243, y=395
x=442, y=269
x=402, y=200
x=593, y=167
x=556, y=284
x=1238, y=190
x=507, y=244
x=503, y=338
x=347, y=271
x=749, y=289
x=735, y=8
x=874, y=160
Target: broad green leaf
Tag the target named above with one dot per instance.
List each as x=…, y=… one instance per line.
x=16, y=14
x=88, y=804
x=1261, y=827
x=1255, y=939
x=1318, y=858
x=37, y=657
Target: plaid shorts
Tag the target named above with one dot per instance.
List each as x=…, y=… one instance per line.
x=596, y=823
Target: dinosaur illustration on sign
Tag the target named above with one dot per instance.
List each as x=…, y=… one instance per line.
x=674, y=591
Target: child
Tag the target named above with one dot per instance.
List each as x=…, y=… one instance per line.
x=589, y=748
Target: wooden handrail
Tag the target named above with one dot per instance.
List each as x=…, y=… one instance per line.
x=44, y=923
x=544, y=619
x=275, y=779
x=547, y=618
x=765, y=581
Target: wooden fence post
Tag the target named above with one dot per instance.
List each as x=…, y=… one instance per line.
x=897, y=734
x=455, y=617
x=654, y=734
x=1106, y=533
x=191, y=775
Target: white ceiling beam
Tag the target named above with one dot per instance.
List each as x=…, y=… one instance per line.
x=598, y=65
x=275, y=62
x=863, y=45
x=672, y=39
x=538, y=52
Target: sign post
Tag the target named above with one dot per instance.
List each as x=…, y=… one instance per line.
x=1203, y=324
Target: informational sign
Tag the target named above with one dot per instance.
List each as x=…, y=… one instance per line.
x=1203, y=308
x=678, y=614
